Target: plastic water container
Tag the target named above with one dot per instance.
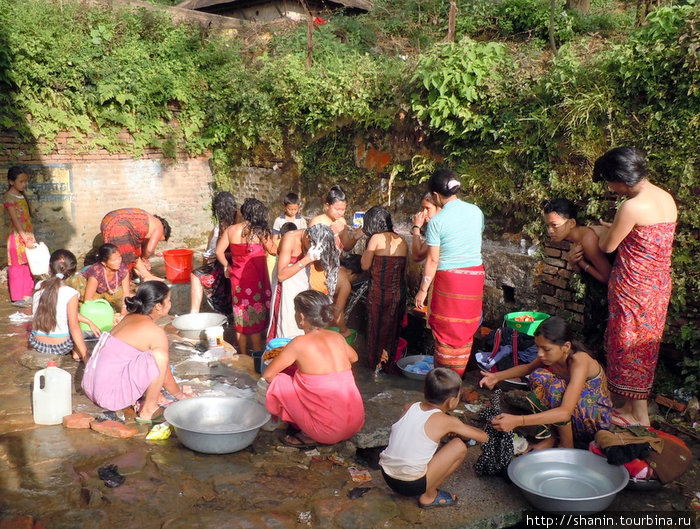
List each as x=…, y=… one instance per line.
x=38, y=259
x=51, y=396
x=100, y=312
x=215, y=336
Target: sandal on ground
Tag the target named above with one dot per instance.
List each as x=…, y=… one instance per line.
x=156, y=418
x=297, y=436
x=617, y=419
x=443, y=499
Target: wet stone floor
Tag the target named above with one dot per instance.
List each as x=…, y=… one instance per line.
x=48, y=474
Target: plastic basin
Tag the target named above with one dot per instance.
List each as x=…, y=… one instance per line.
x=527, y=327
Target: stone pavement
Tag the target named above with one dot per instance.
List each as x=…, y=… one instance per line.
x=48, y=474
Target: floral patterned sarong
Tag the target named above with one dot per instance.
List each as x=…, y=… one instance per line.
x=593, y=410
x=638, y=294
x=250, y=288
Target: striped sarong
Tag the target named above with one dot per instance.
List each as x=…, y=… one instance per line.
x=455, y=315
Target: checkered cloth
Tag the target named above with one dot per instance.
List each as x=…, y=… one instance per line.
x=52, y=348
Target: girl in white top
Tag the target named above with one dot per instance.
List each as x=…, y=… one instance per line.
x=412, y=465
x=56, y=323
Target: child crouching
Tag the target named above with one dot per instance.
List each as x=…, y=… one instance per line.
x=412, y=465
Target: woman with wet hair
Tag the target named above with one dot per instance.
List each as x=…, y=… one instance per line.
x=250, y=283
x=454, y=263
x=307, y=258
x=209, y=279
x=334, y=216
x=320, y=400
x=639, y=288
x=586, y=258
x=385, y=258
x=130, y=364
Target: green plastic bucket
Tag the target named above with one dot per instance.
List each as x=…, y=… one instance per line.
x=100, y=312
x=350, y=339
x=527, y=327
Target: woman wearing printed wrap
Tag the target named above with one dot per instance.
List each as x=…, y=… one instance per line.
x=21, y=236
x=454, y=262
x=639, y=288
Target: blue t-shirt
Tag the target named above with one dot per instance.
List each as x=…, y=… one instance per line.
x=457, y=231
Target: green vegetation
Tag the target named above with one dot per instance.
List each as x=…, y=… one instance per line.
x=516, y=123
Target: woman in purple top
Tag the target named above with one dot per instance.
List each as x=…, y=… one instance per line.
x=108, y=278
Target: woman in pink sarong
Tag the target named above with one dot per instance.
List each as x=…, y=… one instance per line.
x=639, y=288
x=21, y=236
x=250, y=281
x=321, y=400
x=131, y=362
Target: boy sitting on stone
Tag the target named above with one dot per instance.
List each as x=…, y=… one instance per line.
x=412, y=465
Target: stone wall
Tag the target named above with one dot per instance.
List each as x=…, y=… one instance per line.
x=72, y=187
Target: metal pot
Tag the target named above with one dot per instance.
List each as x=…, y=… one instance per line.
x=566, y=479
x=216, y=425
x=192, y=325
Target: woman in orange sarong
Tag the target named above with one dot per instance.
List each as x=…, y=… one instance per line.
x=21, y=236
x=639, y=288
x=250, y=282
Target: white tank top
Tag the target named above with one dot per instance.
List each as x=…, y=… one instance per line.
x=65, y=294
x=410, y=449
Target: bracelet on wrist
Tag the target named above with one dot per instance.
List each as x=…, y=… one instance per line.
x=415, y=227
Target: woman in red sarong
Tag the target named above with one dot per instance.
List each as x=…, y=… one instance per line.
x=454, y=260
x=639, y=288
x=250, y=282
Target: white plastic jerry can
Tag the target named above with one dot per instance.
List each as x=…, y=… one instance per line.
x=51, y=396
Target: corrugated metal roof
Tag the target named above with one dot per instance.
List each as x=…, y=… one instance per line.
x=203, y=4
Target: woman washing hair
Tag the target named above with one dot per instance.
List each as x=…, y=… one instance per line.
x=131, y=362
x=333, y=216
x=307, y=258
x=321, y=400
x=56, y=323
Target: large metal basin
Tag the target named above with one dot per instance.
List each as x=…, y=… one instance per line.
x=566, y=479
x=192, y=325
x=216, y=425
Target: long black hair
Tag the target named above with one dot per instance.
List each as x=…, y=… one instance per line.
x=335, y=194
x=147, y=296
x=224, y=207
x=622, y=164
x=377, y=220
x=321, y=236
x=558, y=331
x=62, y=265
x=444, y=182
x=106, y=251
x=255, y=214
x=316, y=307
x=166, y=227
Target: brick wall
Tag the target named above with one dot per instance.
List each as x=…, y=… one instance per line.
x=72, y=188
x=557, y=296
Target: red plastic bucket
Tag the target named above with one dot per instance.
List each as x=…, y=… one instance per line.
x=178, y=264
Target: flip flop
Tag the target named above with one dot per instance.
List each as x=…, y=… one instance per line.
x=443, y=499
x=617, y=419
x=301, y=444
x=157, y=418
